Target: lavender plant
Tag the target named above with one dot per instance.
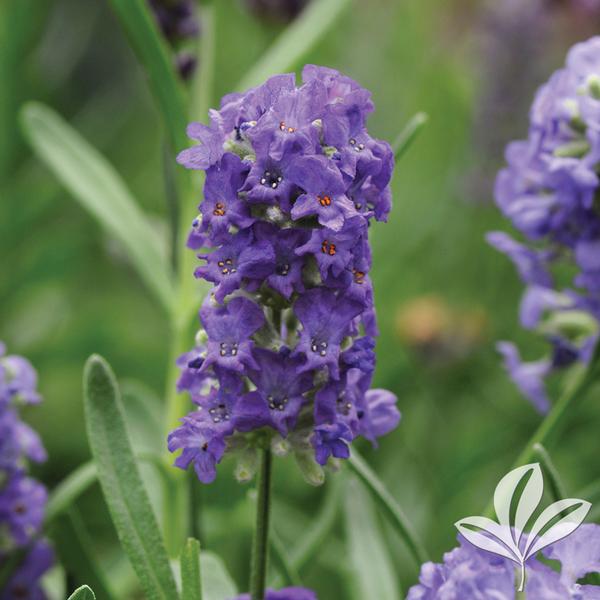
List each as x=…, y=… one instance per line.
x=468, y=572
x=292, y=181
x=24, y=555
x=548, y=191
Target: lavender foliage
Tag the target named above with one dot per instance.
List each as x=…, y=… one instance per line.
x=468, y=572
x=549, y=193
x=22, y=499
x=293, y=181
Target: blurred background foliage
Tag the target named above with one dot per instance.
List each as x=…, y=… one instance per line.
x=443, y=296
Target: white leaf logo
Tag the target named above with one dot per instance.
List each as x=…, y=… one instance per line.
x=515, y=500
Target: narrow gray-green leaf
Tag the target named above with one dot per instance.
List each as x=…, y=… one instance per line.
x=69, y=489
x=83, y=593
x=121, y=483
x=296, y=41
x=217, y=584
x=157, y=60
x=389, y=506
x=191, y=586
x=372, y=569
x=75, y=549
x=408, y=135
x=93, y=181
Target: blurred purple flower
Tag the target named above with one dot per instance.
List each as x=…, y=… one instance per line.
x=291, y=593
x=468, y=572
x=548, y=191
x=22, y=499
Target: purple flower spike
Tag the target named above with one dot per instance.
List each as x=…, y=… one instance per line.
x=547, y=191
x=291, y=593
x=22, y=499
x=293, y=180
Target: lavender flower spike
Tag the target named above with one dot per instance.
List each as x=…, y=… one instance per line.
x=293, y=180
x=548, y=191
x=22, y=499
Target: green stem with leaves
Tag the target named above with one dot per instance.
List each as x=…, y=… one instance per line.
x=550, y=426
x=260, y=545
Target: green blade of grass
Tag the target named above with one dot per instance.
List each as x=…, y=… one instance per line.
x=296, y=41
x=155, y=57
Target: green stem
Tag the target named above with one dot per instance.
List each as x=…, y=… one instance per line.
x=408, y=135
x=550, y=426
x=188, y=296
x=258, y=566
x=389, y=506
x=280, y=554
x=557, y=489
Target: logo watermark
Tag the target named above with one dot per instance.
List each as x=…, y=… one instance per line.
x=516, y=499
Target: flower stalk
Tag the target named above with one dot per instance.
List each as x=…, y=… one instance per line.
x=258, y=566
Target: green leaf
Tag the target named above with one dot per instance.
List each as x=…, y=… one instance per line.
x=69, y=489
x=98, y=187
x=83, y=593
x=155, y=57
x=408, y=135
x=190, y=571
x=389, y=506
x=372, y=569
x=121, y=483
x=74, y=546
x=217, y=584
x=296, y=41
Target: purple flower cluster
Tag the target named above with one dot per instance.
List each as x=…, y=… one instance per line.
x=22, y=499
x=293, y=180
x=549, y=191
x=178, y=23
x=291, y=593
x=468, y=572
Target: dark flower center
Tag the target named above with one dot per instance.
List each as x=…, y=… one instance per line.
x=219, y=210
x=20, y=508
x=358, y=147
x=219, y=413
x=328, y=248
x=196, y=363
x=343, y=405
x=324, y=200
x=271, y=179
x=228, y=349
x=227, y=267
x=277, y=403
x=282, y=269
x=318, y=347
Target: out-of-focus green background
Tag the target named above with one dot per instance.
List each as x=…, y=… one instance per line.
x=443, y=296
